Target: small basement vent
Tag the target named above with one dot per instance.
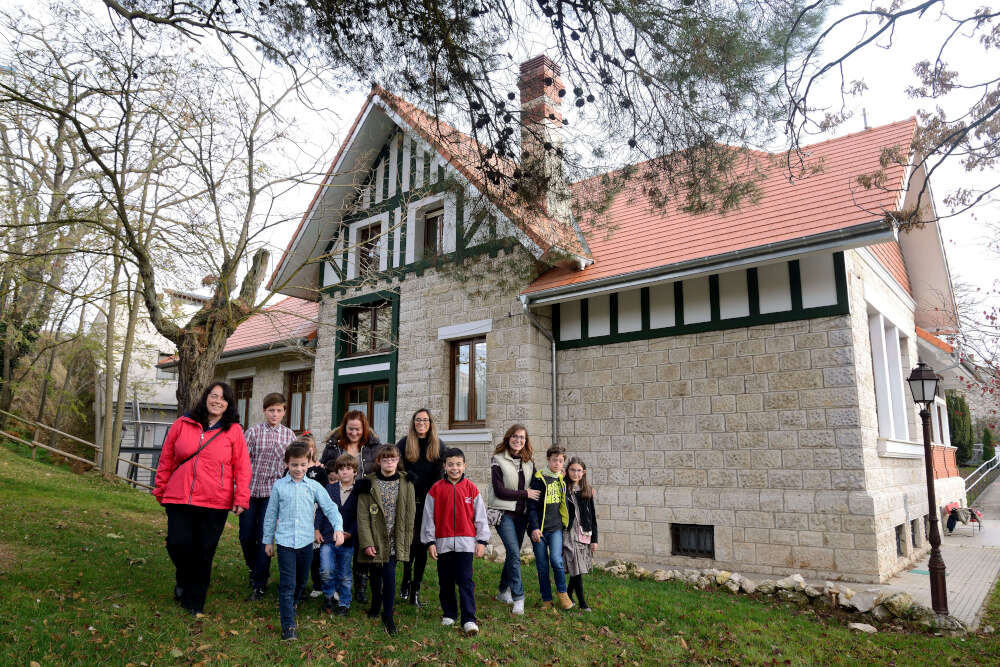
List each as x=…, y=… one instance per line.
x=688, y=539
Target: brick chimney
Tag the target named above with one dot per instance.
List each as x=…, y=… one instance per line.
x=541, y=137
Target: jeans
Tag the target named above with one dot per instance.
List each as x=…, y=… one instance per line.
x=511, y=531
x=293, y=570
x=549, y=550
x=455, y=568
x=383, y=577
x=335, y=570
x=251, y=539
x=192, y=536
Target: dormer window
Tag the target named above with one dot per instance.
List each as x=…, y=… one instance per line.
x=367, y=249
x=433, y=228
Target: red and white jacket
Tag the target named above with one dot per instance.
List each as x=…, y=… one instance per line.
x=218, y=477
x=454, y=517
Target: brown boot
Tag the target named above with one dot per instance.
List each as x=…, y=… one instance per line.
x=547, y=605
x=564, y=601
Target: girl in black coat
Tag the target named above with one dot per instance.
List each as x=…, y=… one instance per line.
x=580, y=537
x=421, y=451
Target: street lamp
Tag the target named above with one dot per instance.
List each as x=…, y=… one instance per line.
x=923, y=385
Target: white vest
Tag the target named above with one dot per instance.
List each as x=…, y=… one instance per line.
x=508, y=466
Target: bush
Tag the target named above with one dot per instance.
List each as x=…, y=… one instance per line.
x=960, y=425
x=988, y=450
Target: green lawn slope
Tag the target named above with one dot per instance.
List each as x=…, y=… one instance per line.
x=85, y=578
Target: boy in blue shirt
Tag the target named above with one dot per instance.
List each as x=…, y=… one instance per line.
x=335, y=561
x=289, y=523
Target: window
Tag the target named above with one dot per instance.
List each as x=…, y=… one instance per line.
x=243, y=388
x=915, y=532
x=367, y=329
x=367, y=249
x=900, y=541
x=688, y=539
x=940, y=434
x=371, y=398
x=166, y=374
x=891, y=403
x=468, y=383
x=299, y=400
x=433, y=229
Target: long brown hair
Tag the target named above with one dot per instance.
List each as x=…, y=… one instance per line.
x=586, y=490
x=413, y=444
x=341, y=432
x=504, y=445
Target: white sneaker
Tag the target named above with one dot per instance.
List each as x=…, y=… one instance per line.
x=447, y=621
x=505, y=597
x=470, y=628
x=518, y=607
x=315, y=594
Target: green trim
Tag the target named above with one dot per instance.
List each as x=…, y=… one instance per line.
x=613, y=312
x=714, y=307
x=413, y=164
x=756, y=318
x=555, y=322
x=678, y=303
x=795, y=283
x=644, y=307
x=753, y=292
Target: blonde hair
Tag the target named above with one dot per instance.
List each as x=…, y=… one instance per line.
x=413, y=444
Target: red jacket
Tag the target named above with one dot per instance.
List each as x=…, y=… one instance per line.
x=454, y=517
x=218, y=477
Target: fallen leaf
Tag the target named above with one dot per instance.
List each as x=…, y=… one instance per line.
x=176, y=653
x=234, y=633
x=115, y=536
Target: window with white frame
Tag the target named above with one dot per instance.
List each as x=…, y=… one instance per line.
x=940, y=431
x=433, y=229
x=891, y=401
x=368, y=249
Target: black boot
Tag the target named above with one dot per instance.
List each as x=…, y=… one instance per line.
x=415, y=596
x=361, y=587
x=390, y=625
x=404, y=590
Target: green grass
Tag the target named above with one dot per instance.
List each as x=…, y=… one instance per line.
x=71, y=593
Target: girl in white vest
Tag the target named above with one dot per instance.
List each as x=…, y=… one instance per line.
x=511, y=472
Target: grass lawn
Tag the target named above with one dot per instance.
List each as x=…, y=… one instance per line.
x=85, y=578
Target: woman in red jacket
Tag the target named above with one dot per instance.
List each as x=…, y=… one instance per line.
x=204, y=472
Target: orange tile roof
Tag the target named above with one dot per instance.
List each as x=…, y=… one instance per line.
x=890, y=256
x=820, y=202
x=289, y=319
x=463, y=153
x=934, y=340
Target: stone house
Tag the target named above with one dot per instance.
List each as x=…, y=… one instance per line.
x=735, y=383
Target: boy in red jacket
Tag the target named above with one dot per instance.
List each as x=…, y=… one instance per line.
x=455, y=527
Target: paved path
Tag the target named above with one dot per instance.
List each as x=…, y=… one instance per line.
x=972, y=559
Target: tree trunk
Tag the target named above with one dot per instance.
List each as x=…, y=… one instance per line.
x=109, y=463
x=133, y=316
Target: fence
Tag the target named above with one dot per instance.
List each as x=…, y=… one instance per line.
x=981, y=478
x=133, y=470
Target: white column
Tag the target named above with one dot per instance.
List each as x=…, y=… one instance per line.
x=894, y=359
x=883, y=398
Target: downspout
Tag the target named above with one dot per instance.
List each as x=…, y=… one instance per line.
x=552, y=340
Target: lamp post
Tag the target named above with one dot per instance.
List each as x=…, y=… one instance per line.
x=923, y=383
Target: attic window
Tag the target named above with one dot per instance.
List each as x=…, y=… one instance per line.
x=368, y=249
x=433, y=228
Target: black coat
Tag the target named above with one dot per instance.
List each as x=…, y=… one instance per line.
x=367, y=463
x=423, y=472
x=588, y=517
x=348, y=512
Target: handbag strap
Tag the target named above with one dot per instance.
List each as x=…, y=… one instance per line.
x=198, y=451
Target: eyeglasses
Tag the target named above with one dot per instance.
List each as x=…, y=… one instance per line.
x=421, y=421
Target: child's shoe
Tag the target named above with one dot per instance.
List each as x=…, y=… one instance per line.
x=505, y=596
x=289, y=635
x=546, y=604
x=390, y=626
x=447, y=621
x=586, y=609
x=343, y=611
x=564, y=601
x=328, y=605
x=518, y=607
x=470, y=628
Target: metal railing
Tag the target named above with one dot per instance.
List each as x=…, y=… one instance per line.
x=981, y=478
x=34, y=445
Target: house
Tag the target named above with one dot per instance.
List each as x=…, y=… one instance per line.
x=735, y=383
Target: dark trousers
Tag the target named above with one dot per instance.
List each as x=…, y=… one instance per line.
x=383, y=577
x=455, y=568
x=192, y=535
x=575, y=587
x=413, y=569
x=315, y=576
x=252, y=541
x=293, y=570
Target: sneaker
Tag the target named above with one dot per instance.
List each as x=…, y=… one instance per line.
x=564, y=601
x=470, y=628
x=447, y=621
x=586, y=609
x=518, y=607
x=328, y=605
x=505, y=597
x=390, y=626
x=404, y=590
x=255, y=595
x=289, y=635
x=343, y=611
x=315, y=594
